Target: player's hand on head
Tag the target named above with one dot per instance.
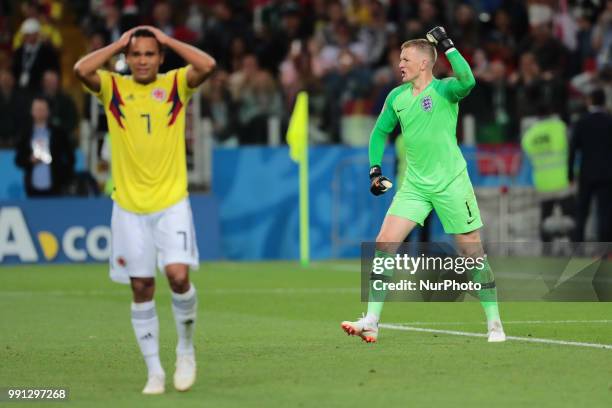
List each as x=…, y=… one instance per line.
x=124, y=40
x=159, y=34
x=379, y=184
x=438, y=37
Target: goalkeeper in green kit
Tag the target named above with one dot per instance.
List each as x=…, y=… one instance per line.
x=436, y=176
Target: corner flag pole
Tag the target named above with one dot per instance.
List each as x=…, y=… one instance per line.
x=297, y=138
x=304, y=215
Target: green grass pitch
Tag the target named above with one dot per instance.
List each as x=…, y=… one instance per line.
x=269, y=335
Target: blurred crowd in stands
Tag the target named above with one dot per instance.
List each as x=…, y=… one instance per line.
x=525, y=55
x=528, y=56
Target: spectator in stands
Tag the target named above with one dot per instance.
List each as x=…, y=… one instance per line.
x=592, y=138
x=302, y=71
x=93, y=110
x=6, y=9
x=223, y=27
x=465, y=28
x=195, y=19
x=551, y=55
x=348, y=81
x=63, y=109
x=257, y=95
x=584, y=48
x=326, y=33
x=602, y=37
x=33, y=58
x=293, y=72
x=501, y=41
x=45, y=154
x=497, y=123
x=112, y=22
x=299, y=72
x=519, y=17
x=429, y=15
x=385, y=79
x=271, y=15
x=348, y=40
x=527, y=82
x=277, y=41
x=48, y=32
x=375, y=32
x=318, y=16
x=412, y=28
x=605, y=82
x=535, y=88
x=220, y=108
x=12, y=106
x=163, y=19
x=238, y=49
x=358, y=12
x=344, y=44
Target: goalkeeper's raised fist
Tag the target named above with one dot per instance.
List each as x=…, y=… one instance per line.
x=379, y=184
x=437, y=36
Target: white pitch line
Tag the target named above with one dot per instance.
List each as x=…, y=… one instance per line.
x=517, y=338
x=554, y=321
x=227, y=291
x=505, y=322
x=281, y=291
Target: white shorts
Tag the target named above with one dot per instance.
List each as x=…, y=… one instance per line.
x=141, y=243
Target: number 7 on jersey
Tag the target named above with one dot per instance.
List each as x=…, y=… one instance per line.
x=147, y=116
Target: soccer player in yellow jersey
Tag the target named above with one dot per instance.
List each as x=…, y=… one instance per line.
x=152, y=224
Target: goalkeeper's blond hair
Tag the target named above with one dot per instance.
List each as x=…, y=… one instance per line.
x=424, y=46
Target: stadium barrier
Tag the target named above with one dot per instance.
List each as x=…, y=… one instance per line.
x=66, y=230
x=256, y=217
x=257, y=189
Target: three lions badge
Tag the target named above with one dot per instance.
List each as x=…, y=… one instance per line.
x=427, y=103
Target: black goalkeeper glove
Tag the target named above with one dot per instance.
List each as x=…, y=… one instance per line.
x=379, y=184
x=437, y=36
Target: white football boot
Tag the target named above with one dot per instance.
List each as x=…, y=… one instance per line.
x=363, y=328
x=185, y=373
x=496, y=332
x=156, y=384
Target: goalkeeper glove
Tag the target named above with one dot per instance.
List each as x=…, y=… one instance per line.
x=379, y=184
x=438, y=36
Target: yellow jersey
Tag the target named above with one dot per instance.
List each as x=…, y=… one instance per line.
x=147, y=124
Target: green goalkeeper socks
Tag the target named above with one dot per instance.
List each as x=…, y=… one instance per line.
x=376, y=298
x=488, y=292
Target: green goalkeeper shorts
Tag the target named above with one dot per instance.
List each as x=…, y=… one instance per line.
x=456, y=205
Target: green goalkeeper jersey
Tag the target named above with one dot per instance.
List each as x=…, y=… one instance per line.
x=428, y=123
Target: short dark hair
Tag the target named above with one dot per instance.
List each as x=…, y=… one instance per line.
x=143, y=32
x=598, y=97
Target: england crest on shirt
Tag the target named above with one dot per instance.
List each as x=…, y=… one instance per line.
x=427, y=103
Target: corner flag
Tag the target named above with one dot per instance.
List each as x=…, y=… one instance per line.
x=297, y=134
x=297, y=139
